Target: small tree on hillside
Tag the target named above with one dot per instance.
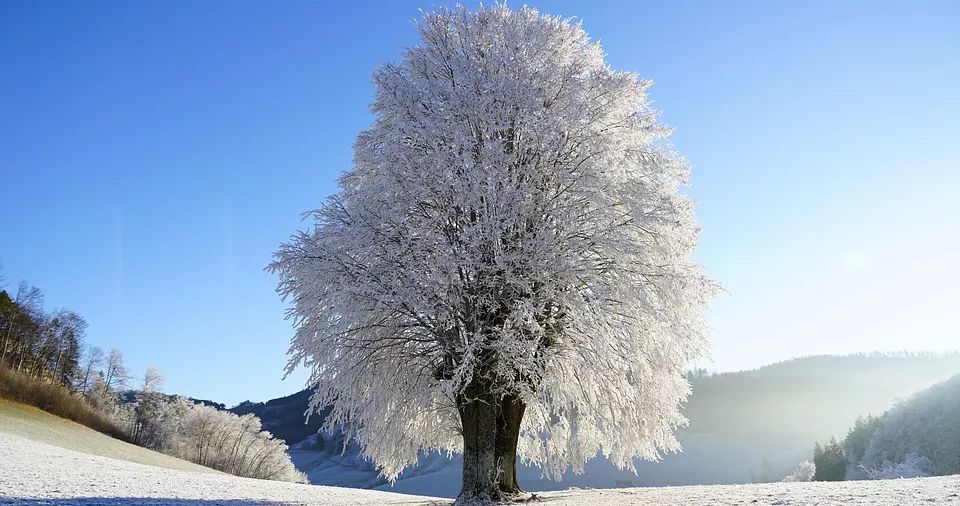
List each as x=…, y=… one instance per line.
x=152, y=379
x=115, y=374
x=829, y=461
x=92, y=360
x=805, y=471
x=506, y=268
x=146, y=418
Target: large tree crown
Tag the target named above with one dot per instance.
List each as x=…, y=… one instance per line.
x=512, y=217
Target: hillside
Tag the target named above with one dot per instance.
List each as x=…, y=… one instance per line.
x=284, y=417
x=34, y=424
x=38, y=473
x=917, y=437
x=745, y=426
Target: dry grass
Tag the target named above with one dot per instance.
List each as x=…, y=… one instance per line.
x=55, y=399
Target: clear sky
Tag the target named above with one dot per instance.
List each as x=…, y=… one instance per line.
x=154, y=154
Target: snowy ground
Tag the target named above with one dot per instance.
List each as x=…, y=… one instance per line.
x=32, y=472
x=940, y=490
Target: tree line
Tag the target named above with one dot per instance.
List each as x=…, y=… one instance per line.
x=40, y=344
x=919, y=436
x=51, y=346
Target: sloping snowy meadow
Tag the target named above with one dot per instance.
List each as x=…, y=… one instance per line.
x=37, y=473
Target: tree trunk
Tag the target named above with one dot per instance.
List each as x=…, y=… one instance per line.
x=508, y=432
x=478, y=416
x=491, y=427
x=23, y=353
x=6, y=341
x=56, y=363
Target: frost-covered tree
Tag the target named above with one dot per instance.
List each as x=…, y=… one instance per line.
x=913, y=466
x=149, y=419
x=233, y=444
x=102, y=398
x=805, y=471
x=152, y=379
x=506, y=269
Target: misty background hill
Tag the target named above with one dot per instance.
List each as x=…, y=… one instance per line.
x=813, y=397
x=747, y=426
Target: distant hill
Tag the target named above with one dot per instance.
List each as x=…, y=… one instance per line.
x=816, y=397
x=285, y=417
x=745, y=426
x=129, y=396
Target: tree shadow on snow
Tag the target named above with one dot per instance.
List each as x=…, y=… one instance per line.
x=147, y=501
x=134, y=501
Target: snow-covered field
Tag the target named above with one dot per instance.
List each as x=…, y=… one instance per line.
x=32, y=472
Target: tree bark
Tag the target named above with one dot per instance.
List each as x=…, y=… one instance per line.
x=6, y=340
x=491, y=428
x=508, y=432
x=478, y=416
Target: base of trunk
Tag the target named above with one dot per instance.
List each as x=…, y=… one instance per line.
x=478, y=416
x=491, y=428
x=502, y=498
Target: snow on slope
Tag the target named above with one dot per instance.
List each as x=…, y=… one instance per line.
x=32, y=423
x=37, y=473
x=325, y=463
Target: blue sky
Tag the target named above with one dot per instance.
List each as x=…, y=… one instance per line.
x=154, y=154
